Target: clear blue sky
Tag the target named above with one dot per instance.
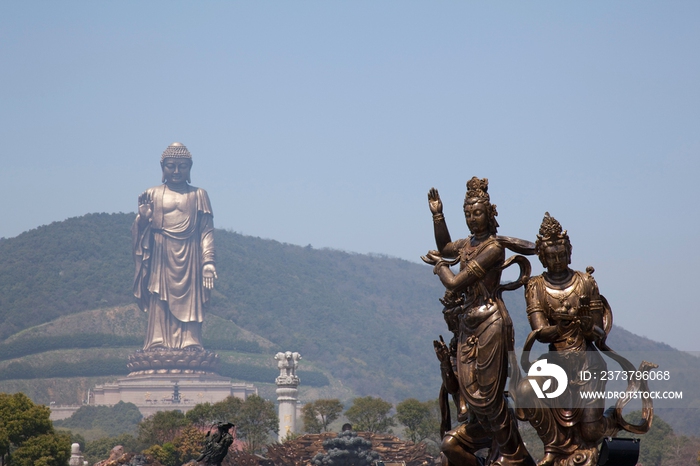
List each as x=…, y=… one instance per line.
x=326, y=123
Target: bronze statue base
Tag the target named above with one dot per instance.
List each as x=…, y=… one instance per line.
x=581, y=457
x=172, y=361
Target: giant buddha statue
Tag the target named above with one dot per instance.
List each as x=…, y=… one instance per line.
x=173, y=247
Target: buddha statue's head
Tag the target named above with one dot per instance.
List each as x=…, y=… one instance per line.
x=479, y=213
x=176, y=163
x=553, y=246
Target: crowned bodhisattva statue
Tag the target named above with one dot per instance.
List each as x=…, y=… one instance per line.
x=476, y=363
x=567, y=312
x=173, y=246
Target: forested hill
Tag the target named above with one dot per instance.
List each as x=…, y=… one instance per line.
x=368, y=320
x=62, y=268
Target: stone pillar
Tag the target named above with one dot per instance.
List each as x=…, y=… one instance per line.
x=287, y=384
x=76, y=458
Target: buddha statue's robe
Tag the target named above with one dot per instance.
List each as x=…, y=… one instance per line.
x=170, y=252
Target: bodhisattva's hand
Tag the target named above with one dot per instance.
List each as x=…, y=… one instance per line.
x=442, y=352
x=434, y=201
x=432, y=258
x=208, y=275
x=585, y=322
x=145, y=207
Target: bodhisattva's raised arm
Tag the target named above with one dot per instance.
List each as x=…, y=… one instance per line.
x=474, y=270
x=442, y=234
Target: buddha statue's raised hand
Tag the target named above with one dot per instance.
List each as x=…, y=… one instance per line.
x=145, y=207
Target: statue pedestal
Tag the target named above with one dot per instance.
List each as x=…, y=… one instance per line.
x=167, y=392
x=172, y=361
x=171, y=379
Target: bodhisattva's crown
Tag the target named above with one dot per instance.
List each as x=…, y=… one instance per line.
x=478, y=189
x=551, y=229
x=176, y=150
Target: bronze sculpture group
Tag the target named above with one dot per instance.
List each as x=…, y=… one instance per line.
x=175, y=272
x=565, y=311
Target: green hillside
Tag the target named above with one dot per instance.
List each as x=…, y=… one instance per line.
x=96, y=344
x=364, y=324
x=368, y=320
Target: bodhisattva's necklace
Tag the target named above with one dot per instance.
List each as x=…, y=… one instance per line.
x=562, y=295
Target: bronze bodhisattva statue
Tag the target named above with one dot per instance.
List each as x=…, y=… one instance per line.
x=173, y=245
x=567, y=312
x=475, y=364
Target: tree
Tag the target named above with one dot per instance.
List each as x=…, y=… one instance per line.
x=119, y=419
x=421, y=419
x=319, y=414
x=27, y=433
x=227, y=410
x=112, y=420
x=655, y=442
x=165, y=454
x=369, y=414
x=201, y=415
x=207, y=414
x=43, y=450
x=162, y=427
x=255, y=421
x=189, y=444
x=312, y=424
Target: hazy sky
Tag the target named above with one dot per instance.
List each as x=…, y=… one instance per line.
x=326, y=123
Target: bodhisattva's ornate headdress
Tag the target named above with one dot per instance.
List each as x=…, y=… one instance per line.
x=551, y=232
x=176, y=150
x=477, y=191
